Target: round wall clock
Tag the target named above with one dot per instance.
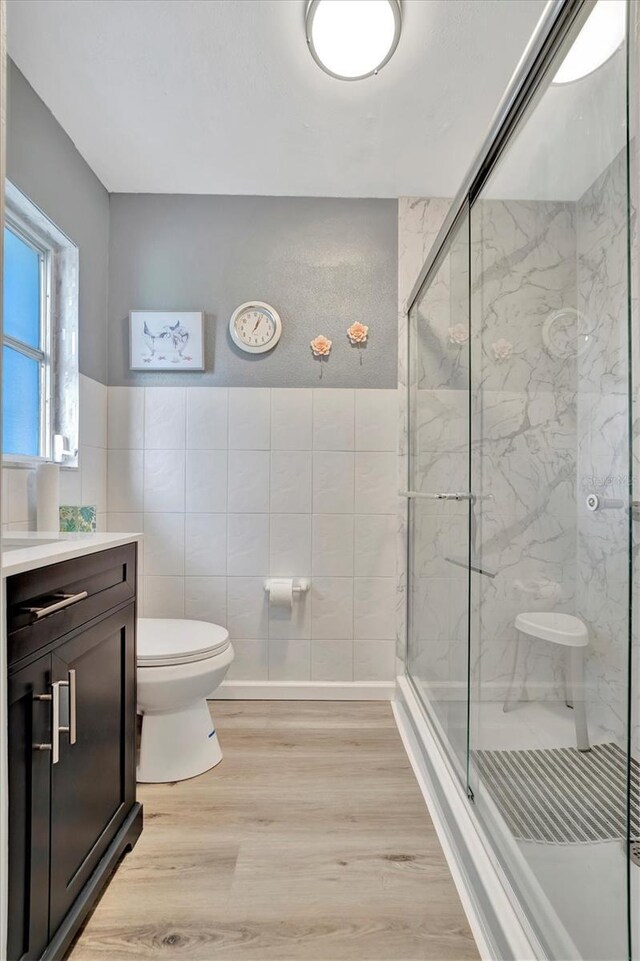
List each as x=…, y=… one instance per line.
x=255, y=327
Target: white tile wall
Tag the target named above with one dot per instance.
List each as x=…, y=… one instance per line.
x=93, y=473
x=332, y=540
x=206, y=480
x=249, y=418
x=164, y=543
x=207, y=418
x=205, y=545
x=248, y=544
x=333, y=419
x=376, y=423
x=289, y=660
x=93, y=413
x=290, y=545
x=205, y=598
x=233, y=485
x=291, y=419
x=248, y=481
x=164, y=480
x=333, y=482
x=291, y=473
x=165, y=423
x=125, y=418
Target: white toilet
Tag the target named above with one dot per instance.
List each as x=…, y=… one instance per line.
x=180, y=664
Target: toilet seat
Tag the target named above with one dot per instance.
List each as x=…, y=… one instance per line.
x=163, y=642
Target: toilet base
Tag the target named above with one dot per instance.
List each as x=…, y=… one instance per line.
x=177, y=745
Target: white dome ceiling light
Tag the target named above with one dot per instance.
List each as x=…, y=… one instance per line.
x=353, y=39
x=598, y=40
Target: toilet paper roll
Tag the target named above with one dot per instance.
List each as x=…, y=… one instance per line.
x=281, y=592
x=48, y=497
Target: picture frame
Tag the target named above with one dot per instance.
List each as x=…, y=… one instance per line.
x=166, y=340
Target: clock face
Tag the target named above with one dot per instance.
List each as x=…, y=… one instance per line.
x=255, y=327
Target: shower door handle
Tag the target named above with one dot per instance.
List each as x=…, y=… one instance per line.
x=440, y=496
x=595, y=502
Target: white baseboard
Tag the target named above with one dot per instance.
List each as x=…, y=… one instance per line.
x=305, y=691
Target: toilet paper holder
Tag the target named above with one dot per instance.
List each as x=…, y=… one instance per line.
x=300, y=584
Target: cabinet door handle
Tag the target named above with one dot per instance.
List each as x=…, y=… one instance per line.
x=66, y=600
x=72, y=707
x=55, y=721
x=56, y=727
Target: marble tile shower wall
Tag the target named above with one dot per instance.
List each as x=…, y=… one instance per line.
x=603, y=442
x=523, y=466
x=550, y=429
x=233, y=485
x=85, y=485
x=524, y=456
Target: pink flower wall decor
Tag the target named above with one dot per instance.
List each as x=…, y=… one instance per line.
x=458, y=335
x=502, y=350
x=358, y=333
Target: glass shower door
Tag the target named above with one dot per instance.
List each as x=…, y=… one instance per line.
x=550, y=467
x=438, y=572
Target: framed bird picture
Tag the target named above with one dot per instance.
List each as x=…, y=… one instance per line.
x=166, y=340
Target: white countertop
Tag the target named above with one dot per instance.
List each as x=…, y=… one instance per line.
x=43, y=549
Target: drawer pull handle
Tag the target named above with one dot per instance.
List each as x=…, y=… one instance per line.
x=66, y=600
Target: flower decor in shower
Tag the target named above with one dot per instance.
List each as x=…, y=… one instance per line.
x=502, y=350
x=458, y=335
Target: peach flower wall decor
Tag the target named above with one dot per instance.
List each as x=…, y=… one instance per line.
x=321, y=346
x=358, y=333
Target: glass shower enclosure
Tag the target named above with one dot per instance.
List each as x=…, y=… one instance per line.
x=521, y=516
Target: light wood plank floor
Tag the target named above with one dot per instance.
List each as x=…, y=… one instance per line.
x=310, y=842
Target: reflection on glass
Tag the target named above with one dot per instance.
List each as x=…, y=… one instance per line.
x=439, y=529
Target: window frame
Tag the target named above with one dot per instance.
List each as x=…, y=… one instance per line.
x=60, y=297
x=46, y=351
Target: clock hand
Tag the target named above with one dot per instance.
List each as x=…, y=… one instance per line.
x=258, y=322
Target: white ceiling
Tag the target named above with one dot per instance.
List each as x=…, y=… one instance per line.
x=222, y=96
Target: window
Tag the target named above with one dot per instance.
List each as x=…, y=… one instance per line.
x=26, y=356
x=40, y=336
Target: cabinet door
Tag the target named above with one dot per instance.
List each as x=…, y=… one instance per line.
x=93, y=783
x=29, y=758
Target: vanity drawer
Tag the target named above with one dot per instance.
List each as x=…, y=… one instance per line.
x=45, y=604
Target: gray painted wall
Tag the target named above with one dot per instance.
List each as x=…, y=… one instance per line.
x=43, y=162
x=322, y=263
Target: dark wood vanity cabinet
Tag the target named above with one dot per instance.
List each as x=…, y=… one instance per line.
x=72, y=803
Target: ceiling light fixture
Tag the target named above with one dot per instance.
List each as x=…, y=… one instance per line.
x=598, y=40
x=353, y=39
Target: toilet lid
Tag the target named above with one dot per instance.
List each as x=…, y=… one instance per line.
x=164, y=641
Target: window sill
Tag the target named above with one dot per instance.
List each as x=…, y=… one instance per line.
x=13, y=462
